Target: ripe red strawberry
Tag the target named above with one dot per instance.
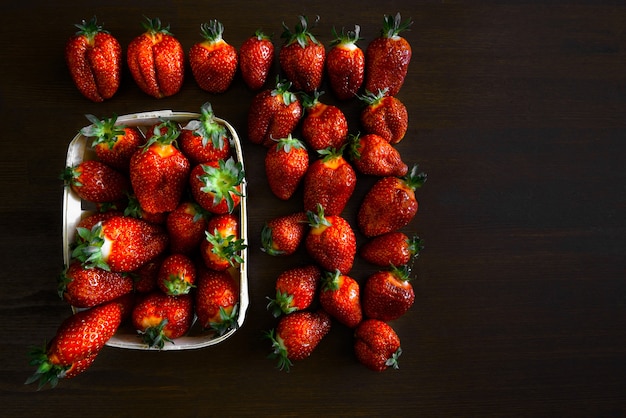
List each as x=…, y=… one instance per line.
x=159, y=173
x=221, y=248
x=387, y=57
x=390, y=204
x=330, y=182
x=177, y=275
x=213, y=61
x=160, y=318
x=94, y=59
x=345, y=64
x=205, y=139
x=186, y=226
x=296, y=289
x=286, y=164
x=302, y=56
x=297, y=335
x=331, y=241
x=256, y=55
x=284, y=234
x=216, y=185
x=156, y=60
x=95, y=181
x=217, y=301
x=385, y=116
x=393, y=248
x=371, y=154
x=120, y=244
x=388, y=294
x=324, y=125
x=339, y=296
x=273, y=113
x=87, y=287
x=69, y=353
x=376, y=345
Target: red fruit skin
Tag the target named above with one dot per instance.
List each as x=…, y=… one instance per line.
x=376, y=345
x=392, y=248
x=92, y=219
x=332, y=247
x=285, y=166
x=345, y=67
x=340, y=297
x=177, y=275
x=388, y=118
x=213, y=63
x=302, y=331
x=324, y=126
x=330, y=183
x=387, y=297
x=284, y=234
x=372, y=155
x=185, y=227
x=269, y=117
x=87, y=287
x=199, y=149
x=151, y=309
x=207, y=199
x=222, y=247
x=96, y=182
x=296, y=289
x=145, y=277
x=215, y=290
x=118, y=152
x=256, y=55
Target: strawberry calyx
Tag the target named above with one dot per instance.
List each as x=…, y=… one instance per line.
x=331, y=280
x=415, y=245
x=227, y=320
x=103, y=131
x=208, y=128
x=317, y=220
x=288, y=144
x=400, y=273
x=282, y=304
x=164, y=134
x=373, y=99
x=226, y=247
x=354, y=146
x=393, y=25
x=332, y=156
x=46, y=372
x=212, y=31
x=176, y=285
x=267, y=243
x=346, y=38
x=89, y=29
x=261, y=36
x=311, y=101
x=393, y=360
x=154, y=336
x=154, y=27
x=301, y=34
x=279, y=350
x=222, y=181
x=88, y=247
x=282, y=90
x=413, y=179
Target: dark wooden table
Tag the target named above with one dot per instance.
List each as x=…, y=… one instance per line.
x=517, y=113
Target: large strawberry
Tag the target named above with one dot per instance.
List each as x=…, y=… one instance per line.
x=84, y=287
x=371, y=154
x=339, y=296
x=324, y=125
x=95, y=181
x=213, y=61
x=185, y=227
x=302, y=56
x=393, y=248
x=221, y=249
x=385, y=116
x=160, y=318
x=94, y=59
x=286, y=163
x=296, y=289
x=216, y=301
x=156, y=60
x=177, y=275
x=390, y=204
x=273, y=113
x=345, y=64
x=256, y=55
x=387, y=57
x=376, y=345
x=388, y=294
x=331, y=241
x=205, y=139
x=297, y=335
x=159, y=173
x=284, y=234
x=216, y=185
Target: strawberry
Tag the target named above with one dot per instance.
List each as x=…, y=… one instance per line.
x=282, y=235
x=177, y=275
x=69, y=353
x=216, y=185
x=217, y=301
x=376, y=345
x=95, y=181
x=339, y=296
x=286, y=164
x=159, y=173
x=84, y=287
x=387, y=57
x=297, y=335
x=385, y=116
x=296, y=289
x=205, y=139
x=159, y=318
x=213, y=61
x=156, y=60
x=331, y=241
x=94, y=59
x=273, y=113
x=345, y=64
x=145, y=277
x=256, y=55
x=120, y=244
x=390, y=204
x=330, y=182
x=371, y=154
x=388, y=294
x=393, y=248
x=222, y=247
x=185, y=227
x=324, y=125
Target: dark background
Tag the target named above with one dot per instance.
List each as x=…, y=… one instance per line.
x=516, y=114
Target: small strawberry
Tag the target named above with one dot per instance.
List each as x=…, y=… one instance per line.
x=385, y=116
x=286, y=164
x=388, y=294
x=156, y=60
x=393, y=248
x=339, y=296
x=297, y=335
x=256, y=55
x=84, y=287
x=296, y=289
x=331, y=241
x=94, y=59
x=177, y=275
x=324, y=125
x=390, y=204
x=217, y=301
x=302, y=56
x=205, y=139
x=376, y=345
x=387, y=57
x=284, y=234
x=213, y=61
x=222, y=247
x=216, y=185
x=159, y=318
x=372, y=155
x=345, y=64
x=185, y=226
x=273, y=113
x=330, y=182
x=95, y=181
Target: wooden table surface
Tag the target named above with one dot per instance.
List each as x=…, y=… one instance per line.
x=518, y=116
